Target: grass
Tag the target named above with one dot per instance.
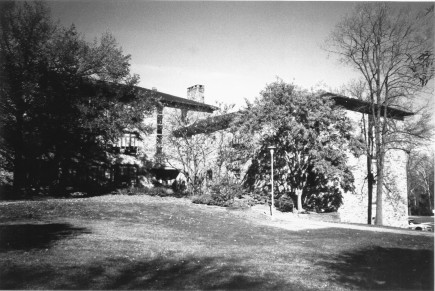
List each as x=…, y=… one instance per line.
x=141, y=242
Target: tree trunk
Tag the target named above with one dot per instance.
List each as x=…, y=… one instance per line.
x=370, y=188
x=380, y=157
x=379, y=190
x=299, y=195
x=369, y=168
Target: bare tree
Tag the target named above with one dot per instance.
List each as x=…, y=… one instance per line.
x=358, y=89
x=414, y=132
x=393, y=51
x=420, y=170
x=198, y=152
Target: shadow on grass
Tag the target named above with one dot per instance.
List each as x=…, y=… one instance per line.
x=380, y=268
x=161, y=273
x=35, y=236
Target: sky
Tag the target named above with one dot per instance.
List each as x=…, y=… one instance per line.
x=232, y=48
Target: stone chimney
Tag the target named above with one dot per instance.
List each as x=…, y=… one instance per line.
x=196, y=93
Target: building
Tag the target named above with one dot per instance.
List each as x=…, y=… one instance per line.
x=355, y=204
x=395, y=196
x=135, y=149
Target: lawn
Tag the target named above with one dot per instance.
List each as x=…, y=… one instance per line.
x=142, y=242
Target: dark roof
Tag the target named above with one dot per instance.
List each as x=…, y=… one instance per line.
x=166, y=99
x=215, y=123
x=207, y=125
x=361, y=106
x=178, y=102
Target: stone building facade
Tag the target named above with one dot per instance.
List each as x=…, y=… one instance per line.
x=138, y=150
x=395, y=197
x=355, y=204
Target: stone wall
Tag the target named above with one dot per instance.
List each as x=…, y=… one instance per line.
x=395, y=201
x=148, y=143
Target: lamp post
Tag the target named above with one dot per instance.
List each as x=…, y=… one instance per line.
x=271, y=148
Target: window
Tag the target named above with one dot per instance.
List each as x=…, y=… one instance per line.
x=127, y=144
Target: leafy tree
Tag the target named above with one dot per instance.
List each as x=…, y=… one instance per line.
x=311, y=138
x=63, y=100
x=393, y=51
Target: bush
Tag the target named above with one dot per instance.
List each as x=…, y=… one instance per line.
x=130, y=191
x=6, y=178
x=202, y=199
x=260, y=196
x=156, y=191
x=243, y=203
x=160, y=191
x=328, y=201
x=221, y=194
x=179, y=186
x=284, y=204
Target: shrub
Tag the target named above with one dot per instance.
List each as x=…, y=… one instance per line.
x=202, y=199
x=157, y=191
x=160, y=191
x=223, y=194
x=130, y=191
x=220, y=194
x=243, y=203
x=137, y=191
x=284, y=204
x=179, y=186
x=260, y=196
x=122, y=191
x=6, y=178
x=328, y=201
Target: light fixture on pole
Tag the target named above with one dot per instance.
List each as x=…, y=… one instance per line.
x=272, y=206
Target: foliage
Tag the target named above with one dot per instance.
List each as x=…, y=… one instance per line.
x=63, y=101
x=179, y=187
x=311, y=138
x=202, y=199
x=223, y=194
x=260, y=196
x=158, y=191
x=284, y=204
x=328, y=201
x=220, y=194
x=393, y=51
x=5, y=177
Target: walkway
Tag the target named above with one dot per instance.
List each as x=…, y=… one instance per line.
x=292, y=222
